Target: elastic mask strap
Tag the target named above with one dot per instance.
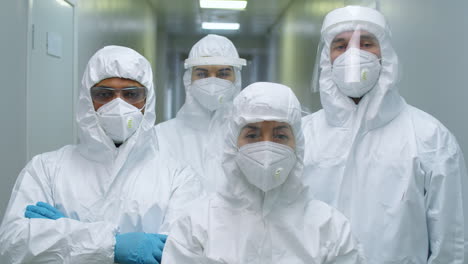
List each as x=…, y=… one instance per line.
x=143, y=107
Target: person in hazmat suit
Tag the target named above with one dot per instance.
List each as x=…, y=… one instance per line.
x=263, y=213
x=195, y=136
x=110, y=197
x=395, y=171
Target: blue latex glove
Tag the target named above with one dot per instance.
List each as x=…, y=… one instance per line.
x=139, y=248
x=42, y=210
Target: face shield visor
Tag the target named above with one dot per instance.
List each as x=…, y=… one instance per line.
x=354, y=51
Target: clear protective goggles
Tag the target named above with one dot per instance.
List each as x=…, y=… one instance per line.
x=131, y=95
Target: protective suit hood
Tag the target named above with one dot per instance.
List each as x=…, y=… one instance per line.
x=259, y=102
x=396, y=172
x=108, y=62
x=100, y=189
x=214, y=50
x=381, y=104
x=195, y=135
x=210, y=50
x=281, y=225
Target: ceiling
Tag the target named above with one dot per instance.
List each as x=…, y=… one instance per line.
x=184, y=17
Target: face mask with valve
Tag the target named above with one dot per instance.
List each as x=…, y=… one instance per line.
x=266, y=164
x=356, y=72
x=213, y=92
x=119, y=119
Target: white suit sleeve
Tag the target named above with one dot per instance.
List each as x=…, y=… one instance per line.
x=186, y=188
x=65, y=240
x=446, y=200
x=185, y=243
x=331, y=235
x=346, y=249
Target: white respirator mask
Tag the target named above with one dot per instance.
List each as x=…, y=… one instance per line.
x=356, y=72
x=266, y=164
x=213, y=92
x=119, y=119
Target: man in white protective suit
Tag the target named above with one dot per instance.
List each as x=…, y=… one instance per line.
x=195, y=136
x=109, y=198
x=395, y=171
x=263, y=213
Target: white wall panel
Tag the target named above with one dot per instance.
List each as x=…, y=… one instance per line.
x=430, y=38
x=13, y=45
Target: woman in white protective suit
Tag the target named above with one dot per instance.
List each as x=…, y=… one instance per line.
x=212, y=80
x=263, y=213
x=109, y=197
x=396, y=172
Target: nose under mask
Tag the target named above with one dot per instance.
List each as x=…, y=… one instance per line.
x=266, y=164
x=119, y=119
x=213, y=92
x=356, y=72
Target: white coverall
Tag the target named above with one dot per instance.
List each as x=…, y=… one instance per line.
x=242, y=224
x=195, y=136
x=101, y=189
x=395, y=171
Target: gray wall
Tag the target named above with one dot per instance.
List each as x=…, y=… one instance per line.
x=99, y=23
x=13, y=45
x=429, y=36
x=293, y=46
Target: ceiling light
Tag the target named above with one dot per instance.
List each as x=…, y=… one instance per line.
x=220, y=4
x=221, y=26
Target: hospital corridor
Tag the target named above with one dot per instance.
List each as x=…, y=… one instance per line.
x=234, y=131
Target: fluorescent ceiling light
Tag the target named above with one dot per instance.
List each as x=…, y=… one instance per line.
x=220, y=4
x=222, y=26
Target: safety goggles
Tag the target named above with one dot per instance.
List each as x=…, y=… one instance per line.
x=131, y=95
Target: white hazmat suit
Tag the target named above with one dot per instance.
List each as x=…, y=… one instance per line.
x=101, y=189
x=242, y=224
x=195, y=136
x=395, y=171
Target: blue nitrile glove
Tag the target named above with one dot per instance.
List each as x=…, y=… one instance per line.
x=139, y=248
x=43, y=210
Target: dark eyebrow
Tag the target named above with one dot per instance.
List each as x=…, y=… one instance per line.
x=281, y=127
x=251, y=127
x=362, y=37
x=201, y=69
x=225, y=69
x=368, y=37
x=338, y=40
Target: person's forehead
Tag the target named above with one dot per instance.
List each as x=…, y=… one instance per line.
x=272, y=124
x=347, y=35
x=117, y=82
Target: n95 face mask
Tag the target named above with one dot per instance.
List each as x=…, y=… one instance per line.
x=119, y=119
x=266, y=164
x=213, y=92
x=356, y=72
